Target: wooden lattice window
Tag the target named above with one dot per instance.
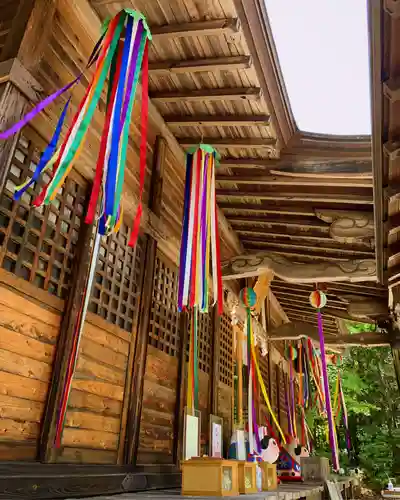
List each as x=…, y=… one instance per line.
x=226, y=346
x=39, y=244
x=117, y=283
x=204, y=342
x=164, y=316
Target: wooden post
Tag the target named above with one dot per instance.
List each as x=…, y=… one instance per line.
x=239, y=357
x=135, y=404
x=47, y=451
x=214, y=375
x=181, y=387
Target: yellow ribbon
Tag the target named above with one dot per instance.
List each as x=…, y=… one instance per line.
x=262, y=385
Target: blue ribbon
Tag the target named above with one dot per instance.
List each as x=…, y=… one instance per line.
x=185, y=228
x=47, y=154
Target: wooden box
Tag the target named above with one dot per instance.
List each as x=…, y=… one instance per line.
x=210, y=477
x=315, y=468
x=247, y=472
x=269, y=476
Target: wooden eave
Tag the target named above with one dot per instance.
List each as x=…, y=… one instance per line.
x=385, y=85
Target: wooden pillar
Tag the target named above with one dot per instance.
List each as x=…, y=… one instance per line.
x=81, y=265
x=135, y=404
x=214, y=375
x=181, y=388
x=19, y=63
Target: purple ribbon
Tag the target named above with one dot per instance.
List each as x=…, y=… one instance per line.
x=328, y=405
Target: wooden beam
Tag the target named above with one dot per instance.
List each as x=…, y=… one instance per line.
x=218, y=121
x=335, y=288
x=201, y=95
x=303, y=209
x=305, y=251
x=249, y=162
x=284, y=221
x=321, y=243
x=307, y=197
x=139, y=367
x=276, y=180
x=391, y=89
x=76, y=295
x=247, y=265
x=212, y=64
x=213, y=27
x=285, y=233
x=229, y=142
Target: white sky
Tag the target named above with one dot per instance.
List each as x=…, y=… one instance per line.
x=323, y=52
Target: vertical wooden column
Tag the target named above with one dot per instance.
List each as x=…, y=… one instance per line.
x=139, y=366
x=81, y=265
x=214, y=375
x=181, y=388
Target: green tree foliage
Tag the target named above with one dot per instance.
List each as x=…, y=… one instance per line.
x=373, y=405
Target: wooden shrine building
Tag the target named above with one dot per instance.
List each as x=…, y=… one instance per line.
x=294, y=209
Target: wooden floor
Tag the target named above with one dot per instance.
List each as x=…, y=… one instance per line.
x=285, y=492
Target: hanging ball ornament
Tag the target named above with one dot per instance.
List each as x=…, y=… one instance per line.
x=291, y=352
x=318, y=299
x=248, y=297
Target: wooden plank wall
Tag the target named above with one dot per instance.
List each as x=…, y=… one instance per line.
x=28, y=336
x=156, y=439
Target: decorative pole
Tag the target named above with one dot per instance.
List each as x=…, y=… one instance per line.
x=318, y=301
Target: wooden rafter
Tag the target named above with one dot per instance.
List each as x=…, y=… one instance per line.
x=218, y=121
x=229, y=63
x=249, y=162
x=213, y=27
x=230, y=142
x=339, y=198
x=274, y=180
x=241, y=221
x=201, y=95
x=307, y=251
x=284, y=232
x=362, y=289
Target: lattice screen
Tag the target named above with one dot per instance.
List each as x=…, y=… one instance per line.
x=204, y=344
x=117, y=283
x=38, y=245
x=226, y=346
x=164, y=317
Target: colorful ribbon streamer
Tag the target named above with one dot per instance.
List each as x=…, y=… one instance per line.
x=120, y=54
x=331, y=423
x=200, y=240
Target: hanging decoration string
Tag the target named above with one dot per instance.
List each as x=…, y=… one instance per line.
x=249, y=299
x=318, y=300
x=200, y=244
x=120, y=55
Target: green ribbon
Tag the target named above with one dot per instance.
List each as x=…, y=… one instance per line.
x=91, y=108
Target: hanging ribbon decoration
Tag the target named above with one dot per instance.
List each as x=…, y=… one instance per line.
x=292, y=354
x=200, y=242
x=318, y=301
x=119, y=56
x=249, y=299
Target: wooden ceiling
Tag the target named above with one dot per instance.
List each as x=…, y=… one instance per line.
x=215, y=77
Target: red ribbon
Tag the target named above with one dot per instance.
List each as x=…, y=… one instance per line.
x=94, y=196
x=143, y=143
